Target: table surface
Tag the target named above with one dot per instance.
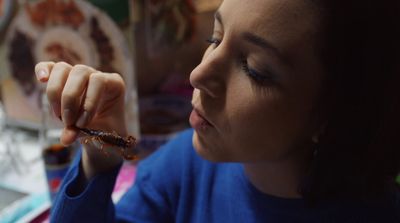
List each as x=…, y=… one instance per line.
x=22, y=170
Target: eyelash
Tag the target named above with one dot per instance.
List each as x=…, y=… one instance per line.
x=259, y=78
x=213, y=40
x=263, y=79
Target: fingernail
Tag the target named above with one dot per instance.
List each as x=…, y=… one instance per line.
x=41, y=74
x=83, y=119
x=67, y=116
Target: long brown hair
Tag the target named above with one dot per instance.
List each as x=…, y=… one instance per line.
x=358, y=154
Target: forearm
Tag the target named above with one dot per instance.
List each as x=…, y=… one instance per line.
x=95, y=162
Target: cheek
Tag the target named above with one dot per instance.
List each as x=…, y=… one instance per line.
x=258, y=136
x=262, y=128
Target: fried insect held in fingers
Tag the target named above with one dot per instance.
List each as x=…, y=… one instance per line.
x=126, y=144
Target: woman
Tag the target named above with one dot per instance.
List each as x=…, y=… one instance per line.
x=295, y=120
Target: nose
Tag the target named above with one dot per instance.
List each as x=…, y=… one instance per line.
x=210, y=75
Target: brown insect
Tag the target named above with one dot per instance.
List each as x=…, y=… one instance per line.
x=113, y=139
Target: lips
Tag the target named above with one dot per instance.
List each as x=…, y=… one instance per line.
x=198, y=121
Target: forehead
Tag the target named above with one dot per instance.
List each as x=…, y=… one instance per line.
x=280, y=21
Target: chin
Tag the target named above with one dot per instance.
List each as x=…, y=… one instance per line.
x=207, y=152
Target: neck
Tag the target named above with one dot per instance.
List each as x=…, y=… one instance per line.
x=278, y=178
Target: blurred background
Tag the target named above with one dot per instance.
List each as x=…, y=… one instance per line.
x=152, y=44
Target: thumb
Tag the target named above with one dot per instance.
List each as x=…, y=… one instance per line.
x=42, y=71
x=69, y=135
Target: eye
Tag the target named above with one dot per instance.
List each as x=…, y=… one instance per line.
x=213, y=41
x=263, y=78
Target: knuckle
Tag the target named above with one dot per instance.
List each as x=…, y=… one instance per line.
x=81, y=69
x=98, y=76
x=62, y=65
x=116, y=78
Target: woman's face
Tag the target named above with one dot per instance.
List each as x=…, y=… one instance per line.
x=257, y=85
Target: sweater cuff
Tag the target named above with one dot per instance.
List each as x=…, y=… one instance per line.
x=94, y=202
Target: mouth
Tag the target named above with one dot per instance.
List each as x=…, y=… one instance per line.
x=198, y=121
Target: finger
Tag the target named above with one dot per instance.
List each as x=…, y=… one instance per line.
x=55, y=85
x=74, y=90
x=112, y=98
x=69, y=135
x=42, y=70
x=96, y=86
x=115, y=86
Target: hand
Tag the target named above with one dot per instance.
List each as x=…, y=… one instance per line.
x=83, y=97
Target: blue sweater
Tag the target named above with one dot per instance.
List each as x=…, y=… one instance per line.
x=175, y=185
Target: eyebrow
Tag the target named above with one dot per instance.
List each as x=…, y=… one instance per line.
x=262, y=43
x=256, y=40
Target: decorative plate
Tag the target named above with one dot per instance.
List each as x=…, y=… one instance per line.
x=5, y=12
x=73, y=31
